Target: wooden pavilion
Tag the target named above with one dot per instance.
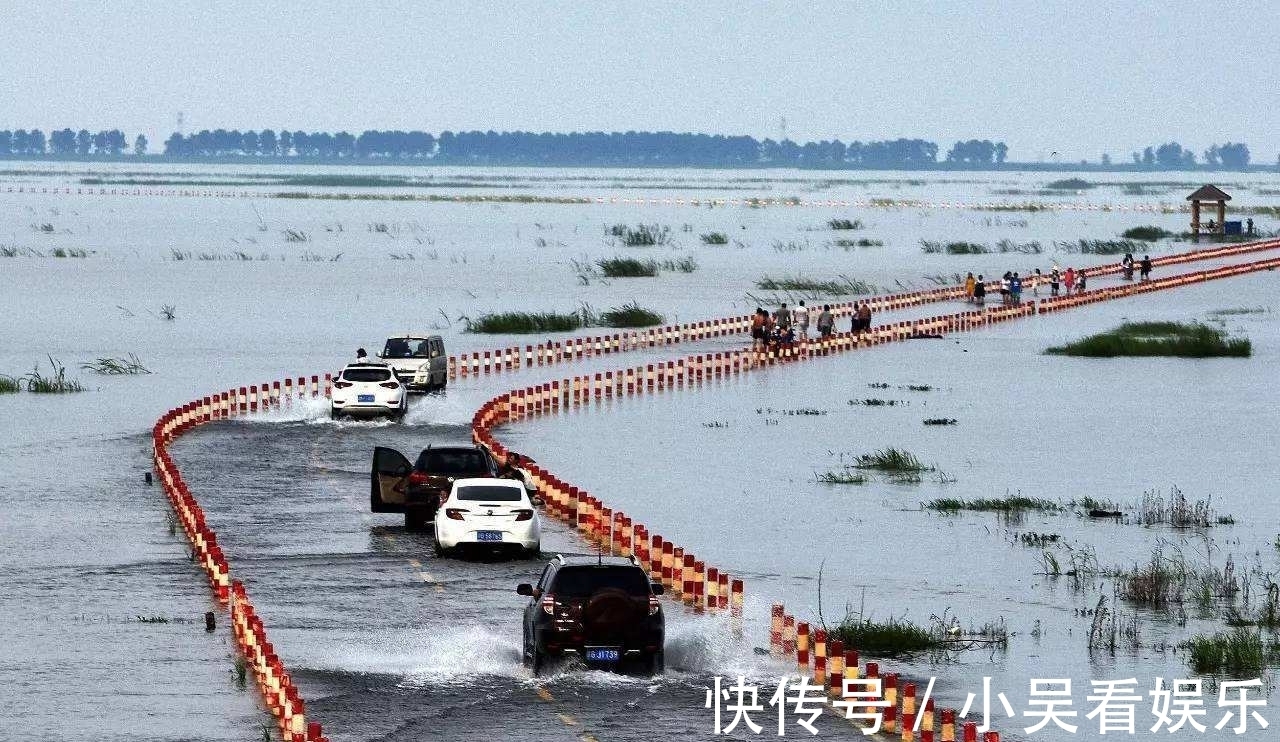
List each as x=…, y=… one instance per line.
x=1208, y=194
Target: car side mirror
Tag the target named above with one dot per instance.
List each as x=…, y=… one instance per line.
x=524, y=588
x=537, y=502
x=657, y=588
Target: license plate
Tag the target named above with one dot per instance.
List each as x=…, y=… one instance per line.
x=596, y=654
x=488, y=535
x=364, y=398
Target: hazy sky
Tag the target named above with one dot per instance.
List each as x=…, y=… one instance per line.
x=1079, y=77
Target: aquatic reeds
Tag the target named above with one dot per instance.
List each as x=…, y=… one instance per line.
x=9, y=384
x=1005, y=504
x=627, y=268
x=1099, y=247
x=1240, y=653
x=69, y=252
x=680, y=265
x=1146, y=233
x=954, y=248
x=893, y=638
x=523, y=323
x=55, y=383
x=1183, y=340
x=891, y=460
x=1068, y=184
x=844, y=224
x=842, y=476
x=629, y=315
x=127, y=366
x=940, y=421
x=1177, y=511
x=644, y=235
x=714, y=238
x=845, y=286
x=168, y=311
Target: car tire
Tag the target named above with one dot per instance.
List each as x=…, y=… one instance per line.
x=657, y=663
x=334, y=414
x=538, y=663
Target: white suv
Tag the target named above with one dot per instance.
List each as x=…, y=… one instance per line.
x=488, y=512
x=368, y=390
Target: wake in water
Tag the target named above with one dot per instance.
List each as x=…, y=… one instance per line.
x=430, y=410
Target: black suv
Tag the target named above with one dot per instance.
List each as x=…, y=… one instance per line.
x=418, y=490
x=602, y=609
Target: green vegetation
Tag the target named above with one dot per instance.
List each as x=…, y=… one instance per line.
x=523, y=323
x=940, y=421
x=1146, y=234
x=1241, y=653
x=680, y=265
x=9, y=385
x=891, y=460
x=644, y=235
x=1100, y=247
x=1183, y=340
x=55, y=383
x=1069, y=184
x=894, y=638
x=844, y=224
x=954, y=248
x=714, y=238
x=116, y=366
x=844, y=287
x=627, y=268
x=69, y=252
x=1005, y=504
x=630, y=315
x=1026, y=248
x=842, y=476
x=1236, y=311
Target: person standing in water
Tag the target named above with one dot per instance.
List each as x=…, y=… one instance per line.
x=969, y=284
x=1035, y=283
x=1069, y=280
x=1146, y=267
x=1055, y=278
x=800, y=315
x=979, y=291
x=826, y=322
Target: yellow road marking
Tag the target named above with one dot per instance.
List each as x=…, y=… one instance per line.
x=588, y=738
x=568, y=720
x=545, y=694
x=430, y=579
x=415, y=563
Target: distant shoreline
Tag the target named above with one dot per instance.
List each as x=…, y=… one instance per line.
x=943, y=167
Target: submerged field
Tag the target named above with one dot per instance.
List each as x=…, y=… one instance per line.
x=211, y=292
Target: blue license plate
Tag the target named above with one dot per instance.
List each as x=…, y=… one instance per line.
x=603, y=655
x=488, y=535
x=364, y=398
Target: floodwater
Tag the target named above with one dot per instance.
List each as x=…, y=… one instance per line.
x=382, y=651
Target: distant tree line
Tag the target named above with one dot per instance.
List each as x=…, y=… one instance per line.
x=1172, y=156
x=68, y=142
x=632, y=148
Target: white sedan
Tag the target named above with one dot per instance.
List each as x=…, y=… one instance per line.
x=488, y=512
x=368, y=390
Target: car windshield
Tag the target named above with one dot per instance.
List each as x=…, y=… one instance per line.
x=423, y=349
x=490, y=493
x=441, y=461
x=376, y=373
x=585, y=581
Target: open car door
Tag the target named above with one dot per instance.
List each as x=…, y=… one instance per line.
x=387, y=480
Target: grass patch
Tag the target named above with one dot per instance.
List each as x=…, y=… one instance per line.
x=1140, y=339
x=714, y=238
x=1099, y=247
x=69, y=252
x=1146, y=234
x=1025, y=248
x=1069, y=184
x=9, y=385
x=844, y=224
x=680, y=265
x=935, y=247
x=1237, y=311
x=630, y=315
x=940, y=421
x=891, y=460
x=843, y=476
x=1241, y=653
x=1006, y=504
x=55, y=383
x=844, y=287
x=893, y=638
x=127, y=366
x=523, y=323
x=643, y=235
x=627, y=268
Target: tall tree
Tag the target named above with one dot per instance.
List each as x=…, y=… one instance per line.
x=140, y=145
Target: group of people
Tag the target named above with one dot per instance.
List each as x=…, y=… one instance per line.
x=1144, y=267
x=786, y=324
